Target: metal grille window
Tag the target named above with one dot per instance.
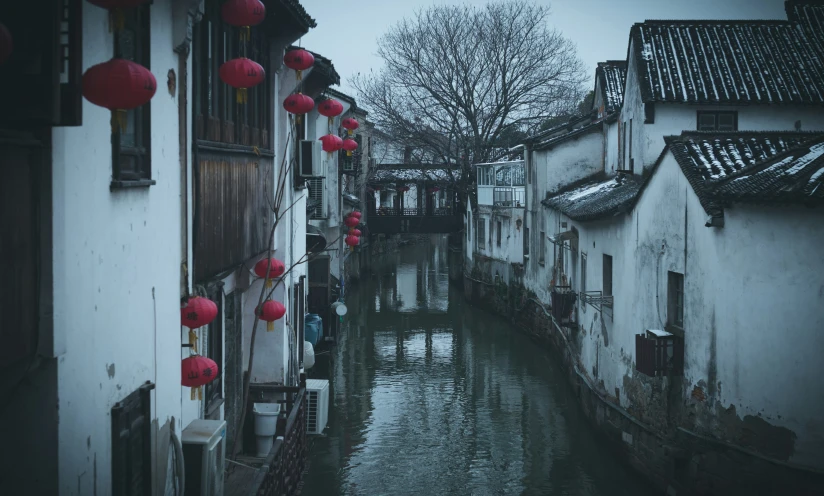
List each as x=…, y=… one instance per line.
x=675, y=299
x=131, y=148
x=717, y=121
x=481, y=233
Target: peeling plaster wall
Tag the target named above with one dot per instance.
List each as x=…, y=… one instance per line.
x=512, y=241
x=568, y=162
x=116, y=294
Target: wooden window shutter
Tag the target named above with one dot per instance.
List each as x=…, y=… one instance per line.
x=131, y=444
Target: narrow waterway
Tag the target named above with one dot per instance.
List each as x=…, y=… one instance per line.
x=432, y=396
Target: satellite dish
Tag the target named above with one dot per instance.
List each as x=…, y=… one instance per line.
x=341, y=309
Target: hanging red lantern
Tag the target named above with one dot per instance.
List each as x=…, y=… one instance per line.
x=331, y=143
x=242, y=73
x=376, y=188
x=271, y=311
x=352, y=240
x=403, y=189
x=198, y=312
x=356, y=214
x=197, y=371
x=243, y=14
x=298, y=60
x=351, y=221
x=115, y=8
x=435, y=189
x=275, y=266
x=355, y=232
x=330, y=108
x=6, y=43
x=350, y=146
x=350, y=125
x=298, y=104
x=118, y=85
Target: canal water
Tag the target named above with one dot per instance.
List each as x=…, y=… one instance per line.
x=432, y=396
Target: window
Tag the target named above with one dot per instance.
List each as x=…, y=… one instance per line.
x=607, y=268
x=675, y=299
x=132, y=444
x=542, y=248
x=526, y=241
x=717, y=121
x=631, y=159
x=481, y=233
x=659, y=353
x=317, y=199
x=498, y=233
x=583, y=273
x=131, y=147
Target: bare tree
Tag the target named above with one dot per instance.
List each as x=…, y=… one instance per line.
x=458, y=80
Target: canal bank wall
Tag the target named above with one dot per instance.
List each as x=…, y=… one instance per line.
x=652, y=438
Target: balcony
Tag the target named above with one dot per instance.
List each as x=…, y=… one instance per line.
x=508, y=197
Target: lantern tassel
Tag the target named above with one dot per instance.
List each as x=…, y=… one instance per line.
x=242, y=96
x=200, y=393
x=194, y=394
x=270, y=326
x=245, y=33
x=119, y=121
x=348, y=153
x=268, y=283
x=331, y=120
x=350, y=131
x=193, y=340
x=299, y=74
x=117, y=20
x=298, y=119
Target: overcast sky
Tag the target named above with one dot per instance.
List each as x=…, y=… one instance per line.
x=348, y=32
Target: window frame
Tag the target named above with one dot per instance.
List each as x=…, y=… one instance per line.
x=526, y=242
x=141, y=153
x=542, y=248
x=134, y=409
x=675, y=300
x=498, y=232
x=716, y=114
x=481, y=233
x=607, y=275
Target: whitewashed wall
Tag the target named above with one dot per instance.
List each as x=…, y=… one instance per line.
x=673, y=118
x=511, y=249
x=116, y=263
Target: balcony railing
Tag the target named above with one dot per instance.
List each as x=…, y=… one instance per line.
x=402, y=212
x=508, y=197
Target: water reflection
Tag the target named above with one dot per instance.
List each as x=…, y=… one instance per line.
x=435, y=397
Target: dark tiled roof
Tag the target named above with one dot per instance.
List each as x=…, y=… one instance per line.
x=556, y=140
x=809, y=14
x=597, y=199
x=297, y=10
x=411, y=174
x=741, y=166
x=728, y=62
x=612, y=74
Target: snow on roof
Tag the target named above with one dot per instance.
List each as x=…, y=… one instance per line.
x=596, y=199
x=728, y=62
x=612, y=75
x=761, y=167
x=402, y=174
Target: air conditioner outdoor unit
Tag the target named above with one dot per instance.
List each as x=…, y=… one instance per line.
x=204, y=455
x=312, y=160
x=317, y=405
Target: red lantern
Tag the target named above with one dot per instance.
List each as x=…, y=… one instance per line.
x=350, y=125
x=270, y=312
x=350, y=146
x=434, y=190
x=299, y=60
x=242, y=73
x=352, y=240
x=330, y=108
x=351, y=221
x=6, y=44
x=275, y=266
x=376, y=188
x=115, y=8
x=355, y=214
x=243, y=14
x=331, y=143
x=198, y=312
x=355, y=232
x=298, y=104
x=118, y=85
x=197, y=371
x=403, y=189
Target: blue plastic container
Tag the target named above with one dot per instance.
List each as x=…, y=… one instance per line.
x=313, y=328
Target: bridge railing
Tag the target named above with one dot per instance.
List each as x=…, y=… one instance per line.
x=411, y=212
